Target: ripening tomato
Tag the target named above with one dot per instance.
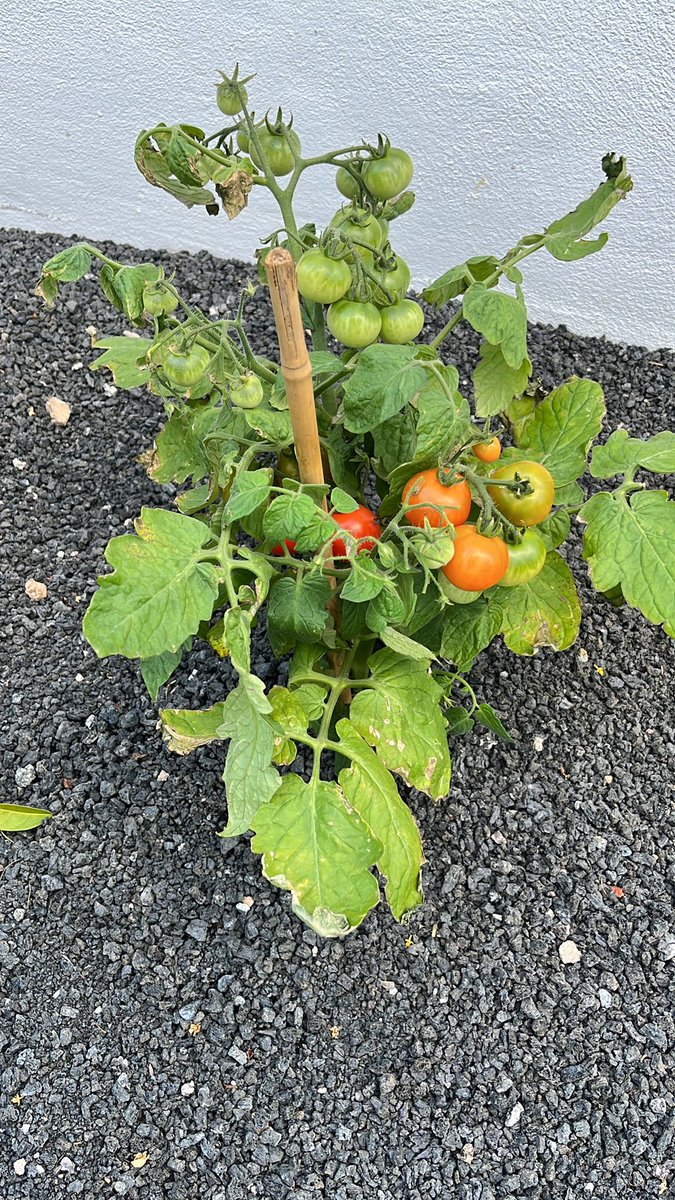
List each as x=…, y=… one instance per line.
x=401, y=322
x=425, y=488
x=488, y=452
x=479, y=562
x=524, y=510
x=321, y=278
x=526, y=559
x=185, y=368
x=278, y=149
x=353, y=323
x=388, y=175
x=247, y=392
x=362, y=523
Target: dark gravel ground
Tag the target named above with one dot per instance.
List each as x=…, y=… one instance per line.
x=146, y=1011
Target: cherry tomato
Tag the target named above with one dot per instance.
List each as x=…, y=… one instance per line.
x=388, y=175
x=346, y=183
x=425, y=488
x=277, y=150
x=359, y=225
x=288, y=468
x=488, y=452
x=401, y=322
x=526, y=559
x=524, y=510
x=457, y=595
x=158, y=301
x=279, y=550
x=321, y=278
x=247, y=392
x=243, y=140
x=230, y=100
x=479, y=562
x=361, y=523
x=185, y=368
x=396, y=281
x=353, y=323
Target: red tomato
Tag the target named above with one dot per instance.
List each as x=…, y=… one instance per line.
x=426, y=488
x=488, y=452
x=279, y=550
x=479, y=562
x=361, y=523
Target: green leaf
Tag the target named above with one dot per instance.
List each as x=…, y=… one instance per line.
x=288, y=515
x=394, y=440
x=630, y=542
x=186, y=729
x=405, y=646
x=128, y=284
x=365, y=580
x=458, y=720
x=194, y=500
x=555, y=529
x=501, y=318
x=160, y=589
x=183, y=158
x=544, y=612
x=106, y=279
x=47, y=289
x=564, y=238
x=156, y=671
x=373, y=794
x=125, y=358
x=571, y=493
x=69, y=265
x=325, y=363
x=455, y=281
x=272, y=425
x=292, y=721
x=156, y=170
x=384, y=380
x=400, y=716
x=622, y=453
x=14, y=818
x=250, y=490
x=495, y=383
x=563, y=427
x=386, y=608
x=297, y=611
x=341, y=502
x=468, y=629
x=321, y=851
x=237, y=638
x=179, y=451
x=250, y=778
x=440, y=422
x=487, y=716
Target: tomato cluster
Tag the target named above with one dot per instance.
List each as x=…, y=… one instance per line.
x=355, y=270
x=480, y=562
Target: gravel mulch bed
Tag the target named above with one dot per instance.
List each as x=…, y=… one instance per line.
x=147, y=1010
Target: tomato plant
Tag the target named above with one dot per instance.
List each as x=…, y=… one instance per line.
x=379, y=606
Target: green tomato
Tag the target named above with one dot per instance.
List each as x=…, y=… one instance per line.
x=457, y=595
x=158, y=301
x=277, y=149
x=526, y=560
x=433, y=551
x=321, y=278
x=359, y=225
x=401, y=322
x=243, y=140
x=185, y=368
x=230, y=99
x=346, y=183
x=396, y=281
x=527, y=510
x=247, y=392
x=388, y=175
x=353, y=323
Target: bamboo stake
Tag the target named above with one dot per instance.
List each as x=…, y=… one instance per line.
x=296, y=367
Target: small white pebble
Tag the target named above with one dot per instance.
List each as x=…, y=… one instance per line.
x=569, y=952
x=515, y=1115
x=20, y=1166
x=20, y=466
x=389, y=987
x=187, y=1089
x=245, y=904
x=110, y=389
x=583, y=655
x=609, y=779
x=79, y=678
x=58, y=410
x=468, y=1153
x=162, y=776
x=538, y=744
x=35, y=590
x=605, y=998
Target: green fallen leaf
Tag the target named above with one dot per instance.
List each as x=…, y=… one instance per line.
x=14, y=818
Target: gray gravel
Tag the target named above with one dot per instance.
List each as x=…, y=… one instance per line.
x=148, y=1008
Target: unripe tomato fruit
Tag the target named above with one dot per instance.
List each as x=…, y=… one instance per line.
x=247, y=392
x=321, y=278
x=360, y=226
x=425, y=488
x=524, y=510
x=354, y=324
x=362, y=523
x=488, y=452
x=401, y=322
x=479, y=562
x=388, y=175
x=277, y=150
x=228, y=98
x=457, y=595
x=396, y=281
x=243, y=140
x=158, y=301
x=346, y=183
x=185, y=368
x=526, y=559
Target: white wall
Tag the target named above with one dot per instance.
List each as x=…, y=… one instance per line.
x=507, y=108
